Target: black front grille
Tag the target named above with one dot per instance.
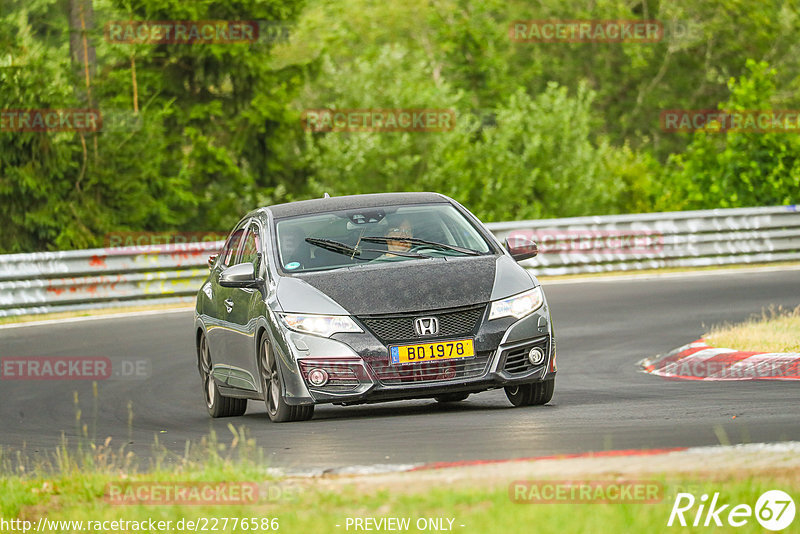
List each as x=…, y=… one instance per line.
x=452, y=322
x=516, y=360
x=440, y=371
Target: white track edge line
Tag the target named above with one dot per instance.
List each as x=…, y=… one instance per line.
x=123, y=315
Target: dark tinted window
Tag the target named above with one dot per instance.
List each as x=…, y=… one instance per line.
x=250, y=247
x=231, y=246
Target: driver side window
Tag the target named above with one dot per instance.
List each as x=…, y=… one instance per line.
x=250, y=246
x=231, y=246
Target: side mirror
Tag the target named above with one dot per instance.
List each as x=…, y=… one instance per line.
x=211, y=260
x=521, y=248
x=241, y=275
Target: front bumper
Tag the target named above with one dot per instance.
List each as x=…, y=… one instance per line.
x=359, y=370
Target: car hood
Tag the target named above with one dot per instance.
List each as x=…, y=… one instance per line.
x=406, y=286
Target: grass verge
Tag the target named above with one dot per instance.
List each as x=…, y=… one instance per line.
x=475, y=499
x=775, y=330
x=468, y=510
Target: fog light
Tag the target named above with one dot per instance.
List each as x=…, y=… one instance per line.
x=318, y=377
x=536, y=356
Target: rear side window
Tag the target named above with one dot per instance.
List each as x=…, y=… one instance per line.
x=231, y=246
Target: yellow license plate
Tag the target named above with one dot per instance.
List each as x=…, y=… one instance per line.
x=431, y=352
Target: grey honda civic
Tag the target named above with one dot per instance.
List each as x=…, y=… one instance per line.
x=370, y=298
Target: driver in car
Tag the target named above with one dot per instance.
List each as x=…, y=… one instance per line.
x=403, y=229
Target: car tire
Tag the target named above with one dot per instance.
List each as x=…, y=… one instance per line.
x=543, y=392
x=217, y=404
x=277, y=408
x=519, y=394
x=452, y=397
x=304, y=413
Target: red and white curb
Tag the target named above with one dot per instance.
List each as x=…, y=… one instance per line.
x=701, y=361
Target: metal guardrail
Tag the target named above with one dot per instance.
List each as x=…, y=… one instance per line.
x=84, y=279
x=660, y=240
x=43, y=282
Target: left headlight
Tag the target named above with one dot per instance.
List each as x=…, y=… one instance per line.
x=320, y=325
x=519, y=305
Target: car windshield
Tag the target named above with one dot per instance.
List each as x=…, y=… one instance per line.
x=376, y=235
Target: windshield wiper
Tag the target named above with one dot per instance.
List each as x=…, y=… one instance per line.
x=334, y=246
x=416, y=241
x=353, y=252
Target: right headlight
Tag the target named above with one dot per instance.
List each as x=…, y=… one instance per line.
x=519, y=305
x=321, y=325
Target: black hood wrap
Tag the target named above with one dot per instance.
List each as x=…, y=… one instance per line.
x=408, y=286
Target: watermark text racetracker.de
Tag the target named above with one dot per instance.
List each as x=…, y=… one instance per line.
x=586, y=491
x=590, y=241
x=69, y=120
x=50, y=120
x=190, y=32
x=586, y=31
x=183, y=493
x=756, y=367
x=378, y=120
x=161, y=242
x=723, y=121
x=194, y=493
x=150, y=524
x=73, y=368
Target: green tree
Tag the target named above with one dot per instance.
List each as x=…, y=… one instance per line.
x=728, y=170
x=207, y=130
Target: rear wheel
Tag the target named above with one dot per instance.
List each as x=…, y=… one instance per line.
x=277, y=409
x=452, y=397
x=217, y=405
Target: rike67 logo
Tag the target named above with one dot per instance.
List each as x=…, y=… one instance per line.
x=774, y=510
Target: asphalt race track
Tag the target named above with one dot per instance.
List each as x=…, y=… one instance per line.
x=601, y=402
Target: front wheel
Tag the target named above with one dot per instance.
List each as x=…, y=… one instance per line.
x=520, y=394
x=277, y=409
x=217, y=405
x=543, y=392
x=534, y=394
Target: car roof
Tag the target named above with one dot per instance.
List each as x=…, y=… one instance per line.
x=324, y=205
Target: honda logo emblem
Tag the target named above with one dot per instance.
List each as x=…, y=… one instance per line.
x=426, y=326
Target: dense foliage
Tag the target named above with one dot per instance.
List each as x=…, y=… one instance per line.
x=208, y=131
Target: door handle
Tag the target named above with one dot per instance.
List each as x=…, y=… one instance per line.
x=228, y=305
